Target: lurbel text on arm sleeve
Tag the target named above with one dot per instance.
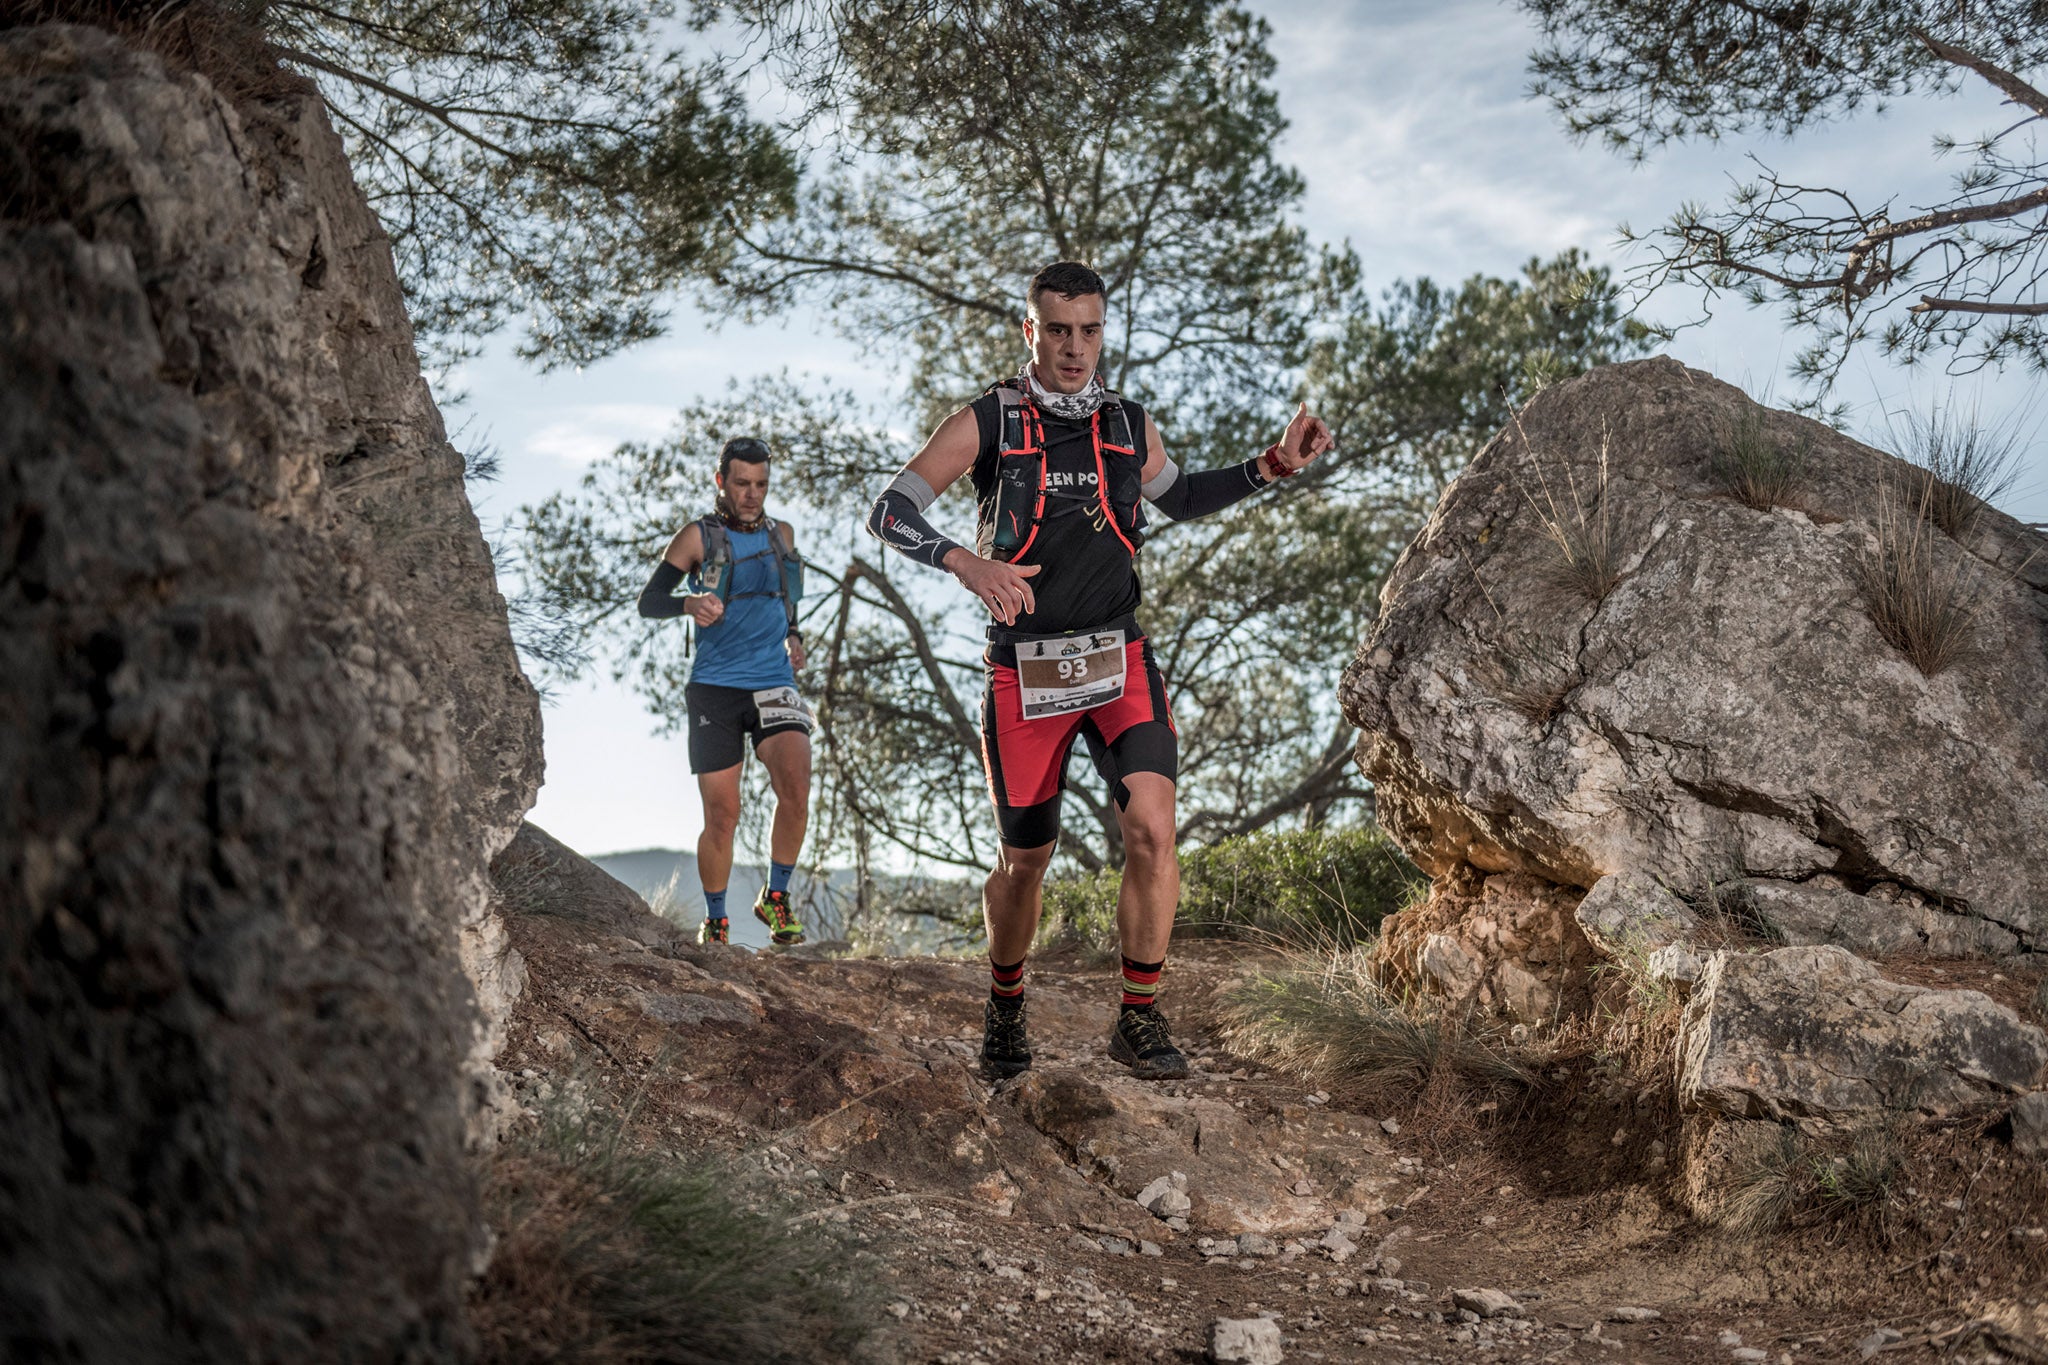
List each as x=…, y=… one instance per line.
x=897, y=520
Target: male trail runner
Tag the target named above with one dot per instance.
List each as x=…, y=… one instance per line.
x=1057, y=476
x=744, y=578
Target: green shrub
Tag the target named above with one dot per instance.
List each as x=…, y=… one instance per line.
x=1324, y=887
x=609, y=1253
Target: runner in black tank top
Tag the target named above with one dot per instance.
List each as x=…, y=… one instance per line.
x=1059, y=578
x=1086, y=577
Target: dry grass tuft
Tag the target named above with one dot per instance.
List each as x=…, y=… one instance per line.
x=610, y=1254
x=1580, y=526
x=1923, y=596
x=1761, y=1191
x=1530, y=687
x=1758, y=470
x=1792, y=1177
x=1326, y=1019
x=1969, y=465
x=222, y=40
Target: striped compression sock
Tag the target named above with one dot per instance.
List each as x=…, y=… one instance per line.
x=1006, y=984
x=1141, y=983
x=714, y=904
x=778, y=875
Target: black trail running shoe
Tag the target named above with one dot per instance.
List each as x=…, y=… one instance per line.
x=1142, y=1044
x=1005, y=1051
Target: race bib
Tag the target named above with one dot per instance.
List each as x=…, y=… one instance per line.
x=1072, y=673
x=782, y=706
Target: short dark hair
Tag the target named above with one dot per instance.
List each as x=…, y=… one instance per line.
x=1068, y=278
x=745, y=449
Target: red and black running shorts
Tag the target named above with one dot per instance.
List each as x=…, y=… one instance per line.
x=1026, y=760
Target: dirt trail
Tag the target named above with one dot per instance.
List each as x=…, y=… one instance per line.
x=1003, y=1216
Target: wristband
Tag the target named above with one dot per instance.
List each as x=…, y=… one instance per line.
x=1276, y=468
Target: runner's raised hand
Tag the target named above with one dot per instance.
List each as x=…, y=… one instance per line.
x=705, y=608
x=1307, y=437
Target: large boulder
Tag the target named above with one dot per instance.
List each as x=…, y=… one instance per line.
x=1819, y=1034
x=1725, y=708
x=263, y=731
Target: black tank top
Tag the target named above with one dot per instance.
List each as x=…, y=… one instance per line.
x=1086, y=576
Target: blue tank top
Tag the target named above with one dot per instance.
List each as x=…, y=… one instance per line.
x=745, y=648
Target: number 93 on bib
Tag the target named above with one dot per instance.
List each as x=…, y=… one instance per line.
x=1070, y=673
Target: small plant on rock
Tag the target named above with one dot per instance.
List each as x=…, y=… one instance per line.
x=1862, y=1176
x=1581, y=527
x=1923, y=596
x=1969, y=465
x=1759, y=470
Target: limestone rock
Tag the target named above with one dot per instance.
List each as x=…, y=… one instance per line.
x=538, y=873
x=1245, y=1341
x=2030, y=1125
x=1129, y=1132
x=1628, y=915
x=1728, y=703
x=1487, y=1303
x=1819, y=1034
x=264, y=731
x=1674, y=962
x=1505, y=943
x=1822, y=910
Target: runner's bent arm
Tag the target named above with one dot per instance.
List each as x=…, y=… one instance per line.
x=794, y=641
x=897, y=520
x=1185, y=496
x=657, y=602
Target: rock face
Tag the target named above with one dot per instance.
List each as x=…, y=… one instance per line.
x=1817, y=1033
x=1726, y=709
x=264, y=730
x=1504, y=943
x=1627, y=914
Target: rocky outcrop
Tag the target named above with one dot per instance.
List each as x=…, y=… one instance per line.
x=1627, y=916
x=264, y=731
x=1503, y=944
x=537, y=873
x=1818, y=1034
x=1716, y=702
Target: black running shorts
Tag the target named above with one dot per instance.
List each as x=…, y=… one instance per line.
x=720, y=718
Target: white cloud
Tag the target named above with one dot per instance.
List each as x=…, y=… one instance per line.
x=587, y=432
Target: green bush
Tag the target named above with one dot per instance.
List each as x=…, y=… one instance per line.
x=1327, y=888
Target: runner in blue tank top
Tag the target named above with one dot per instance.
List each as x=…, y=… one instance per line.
x=741, y=576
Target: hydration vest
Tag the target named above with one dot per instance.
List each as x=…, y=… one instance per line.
x=1009, y=515
x=716, y=572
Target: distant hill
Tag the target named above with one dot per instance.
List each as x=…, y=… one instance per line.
x=667, y=879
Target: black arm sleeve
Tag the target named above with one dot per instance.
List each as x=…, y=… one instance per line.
x=897, y=521
x=656, y=599
x=1206, y=490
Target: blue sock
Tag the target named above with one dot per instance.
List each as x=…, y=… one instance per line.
x=714, y=905
x=778, y=875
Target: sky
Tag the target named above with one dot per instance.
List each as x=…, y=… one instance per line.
x=1411, y=125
